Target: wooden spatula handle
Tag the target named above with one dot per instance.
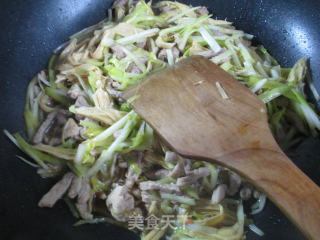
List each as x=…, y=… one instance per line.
x=285, y=184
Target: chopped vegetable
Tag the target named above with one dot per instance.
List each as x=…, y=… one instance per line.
x=115, y=168
x=258, y=206
x=221, y=91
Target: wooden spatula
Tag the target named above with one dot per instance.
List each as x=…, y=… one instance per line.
x=203, y=113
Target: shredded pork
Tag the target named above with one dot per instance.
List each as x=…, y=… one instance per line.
x=47, y=123
x=57, y=191
x=120, y=202
x=193, y=176
x=150, y=185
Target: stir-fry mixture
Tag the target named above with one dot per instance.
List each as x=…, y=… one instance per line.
x=112, y=167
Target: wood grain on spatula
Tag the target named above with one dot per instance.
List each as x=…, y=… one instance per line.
x=184, y=105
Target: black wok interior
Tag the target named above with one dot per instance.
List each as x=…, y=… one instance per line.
x=31, y=29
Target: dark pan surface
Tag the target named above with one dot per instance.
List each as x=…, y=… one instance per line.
x=31, y=29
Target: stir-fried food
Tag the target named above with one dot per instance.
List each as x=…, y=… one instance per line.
x=112, y=166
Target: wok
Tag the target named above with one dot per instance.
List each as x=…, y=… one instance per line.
x=31, y=29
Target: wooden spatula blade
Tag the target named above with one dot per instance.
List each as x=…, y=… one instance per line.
x=196, y=107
